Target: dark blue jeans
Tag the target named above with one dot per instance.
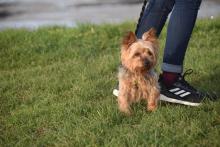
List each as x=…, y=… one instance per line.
x=180, y=26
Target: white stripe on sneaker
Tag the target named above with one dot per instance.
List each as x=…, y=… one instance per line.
x=180, y=92
x=174, y=90
x=185, y=94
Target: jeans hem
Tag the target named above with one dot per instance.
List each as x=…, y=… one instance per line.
x=172, y=68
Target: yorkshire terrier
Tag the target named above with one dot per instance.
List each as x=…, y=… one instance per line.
x=137, y=80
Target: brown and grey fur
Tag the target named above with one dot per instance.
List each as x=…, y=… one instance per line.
x=136, y=77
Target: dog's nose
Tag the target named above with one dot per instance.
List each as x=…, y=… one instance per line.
x=146, y=62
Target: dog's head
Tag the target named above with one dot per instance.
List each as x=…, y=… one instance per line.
x=139, y=55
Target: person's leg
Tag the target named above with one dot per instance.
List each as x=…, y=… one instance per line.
x=155, y=15
x=174, y=87
x=180, y=28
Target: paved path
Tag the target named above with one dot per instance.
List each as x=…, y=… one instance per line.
x=35, y=13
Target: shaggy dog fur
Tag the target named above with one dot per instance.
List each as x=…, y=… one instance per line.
x=137, y=79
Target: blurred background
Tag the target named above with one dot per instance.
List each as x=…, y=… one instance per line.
x=34, y=13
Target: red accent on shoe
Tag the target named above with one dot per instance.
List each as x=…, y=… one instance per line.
x=169, y=78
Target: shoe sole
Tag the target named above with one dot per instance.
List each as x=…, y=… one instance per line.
x=115, y=92
x=166, y=99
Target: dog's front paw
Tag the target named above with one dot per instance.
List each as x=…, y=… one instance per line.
x=126, y=111
x=151, y=108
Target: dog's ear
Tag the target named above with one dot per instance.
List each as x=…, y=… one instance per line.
x=150, y=35
x=128, y=39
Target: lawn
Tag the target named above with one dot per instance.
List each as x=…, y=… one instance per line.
x=56, y=90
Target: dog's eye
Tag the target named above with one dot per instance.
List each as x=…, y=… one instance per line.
x=149, y=53
x=136, y=54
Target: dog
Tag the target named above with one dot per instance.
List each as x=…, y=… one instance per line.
x=137, y=80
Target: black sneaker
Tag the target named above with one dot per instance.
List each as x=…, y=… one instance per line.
x=182, y=92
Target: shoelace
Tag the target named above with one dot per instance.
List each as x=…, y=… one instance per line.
x=212, y=95
x=184, y=82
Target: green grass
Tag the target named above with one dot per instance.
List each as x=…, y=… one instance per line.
x=56, y=90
